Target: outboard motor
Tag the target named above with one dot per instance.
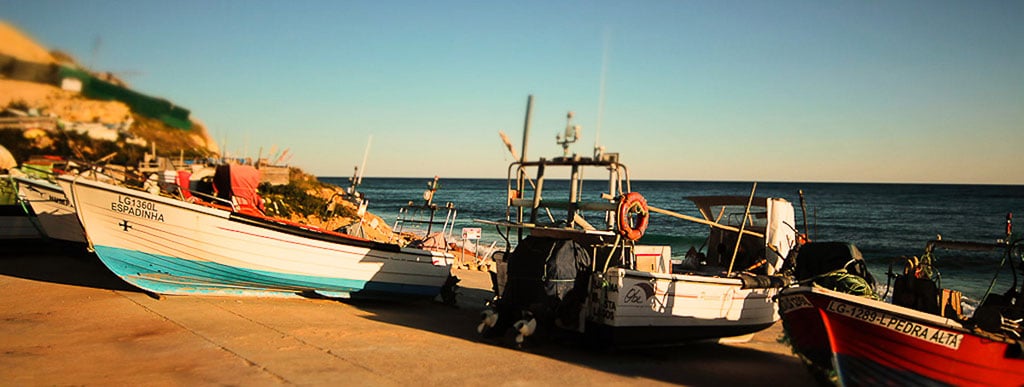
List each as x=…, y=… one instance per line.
x=546, y=285
x=1001, y=313
x=1004, y=313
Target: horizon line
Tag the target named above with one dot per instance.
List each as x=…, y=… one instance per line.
x=701, y=181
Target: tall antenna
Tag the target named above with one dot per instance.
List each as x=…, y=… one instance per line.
x=357, y=178
x=96, y=44
x=362, y=168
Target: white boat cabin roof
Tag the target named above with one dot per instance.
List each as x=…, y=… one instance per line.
x=728, y=210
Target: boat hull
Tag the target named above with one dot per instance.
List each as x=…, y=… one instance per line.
x=52, y=208
x=869, y=342
x=15, y=223
x=631, y=307
x=168, y=246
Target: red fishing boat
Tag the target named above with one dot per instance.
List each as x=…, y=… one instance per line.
x=920, y=338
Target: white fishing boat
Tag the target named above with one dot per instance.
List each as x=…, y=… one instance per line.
x=15, y=220
x=170, y=246
x=578, y=264
x=420, y=220
x=710, y=295
x=38, y=191
x=53, y=210
x=421, y=223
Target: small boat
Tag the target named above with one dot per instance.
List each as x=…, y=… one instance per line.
x=190, y=247
x=53, y=210
x=849, y=336
x=578, y=266
x=16, y=220
x=419, y=222
x=38, y=189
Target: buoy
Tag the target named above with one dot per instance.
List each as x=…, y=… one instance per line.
x=630, y=204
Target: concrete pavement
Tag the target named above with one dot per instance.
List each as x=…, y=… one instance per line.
x=65, y=319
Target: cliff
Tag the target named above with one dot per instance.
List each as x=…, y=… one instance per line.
x=38, y=82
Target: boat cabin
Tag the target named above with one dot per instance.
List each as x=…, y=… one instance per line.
x=768, y=234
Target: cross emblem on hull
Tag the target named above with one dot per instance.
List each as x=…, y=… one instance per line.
x=124, y=224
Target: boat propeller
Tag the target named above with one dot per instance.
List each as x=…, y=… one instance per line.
x=525, y=327
x=488, y=319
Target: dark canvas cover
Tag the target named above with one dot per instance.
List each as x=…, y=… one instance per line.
x=547, y=277
x=822, y=257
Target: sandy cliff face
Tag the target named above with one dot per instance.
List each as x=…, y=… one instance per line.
x=19, y=45
x=71, y=106
x=66, y=104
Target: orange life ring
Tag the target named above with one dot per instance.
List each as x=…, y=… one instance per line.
x=632, y=216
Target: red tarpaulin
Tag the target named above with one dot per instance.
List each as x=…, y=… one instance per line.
x=238, y=183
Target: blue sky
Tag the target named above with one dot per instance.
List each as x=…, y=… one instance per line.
x=865, y=91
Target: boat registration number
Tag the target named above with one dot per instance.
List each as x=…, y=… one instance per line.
x=137, y=207
x=898, y=324
x=790, y=303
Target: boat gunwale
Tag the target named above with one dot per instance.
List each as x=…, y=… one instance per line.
x=680, y=277
x=915, y=315
x=42, y=183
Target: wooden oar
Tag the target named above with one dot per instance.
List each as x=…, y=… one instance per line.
x=702, y=221
x=710, y=223
x=743, y=226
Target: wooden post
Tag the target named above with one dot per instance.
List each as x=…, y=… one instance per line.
x=522, y=173
x=574, y=188
x=537, y=192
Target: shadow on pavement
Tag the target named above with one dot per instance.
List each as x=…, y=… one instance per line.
x=700, y=364
x=58, y=262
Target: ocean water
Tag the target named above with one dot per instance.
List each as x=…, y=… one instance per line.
x=884, y=220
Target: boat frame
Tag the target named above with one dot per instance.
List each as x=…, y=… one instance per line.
x=631, y=296
x=854, y=340
x=52, y=209
x=169, y=246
